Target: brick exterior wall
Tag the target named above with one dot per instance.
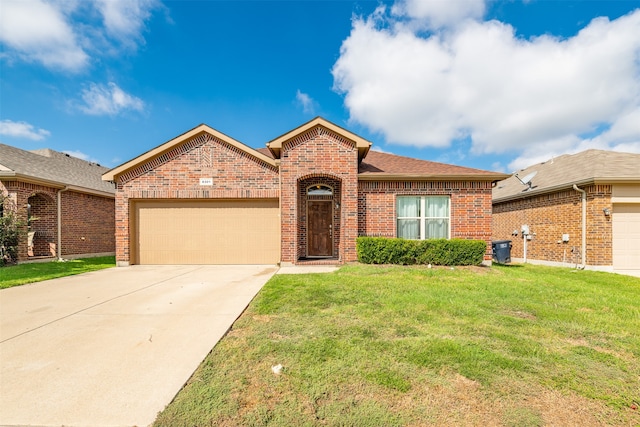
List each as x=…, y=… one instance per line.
x=550, y=216
x=89, y=215
x=88, y=224
x=176, y=175
x=316, y=156
x=44, y=223
x=470, y=207
x=319, y=156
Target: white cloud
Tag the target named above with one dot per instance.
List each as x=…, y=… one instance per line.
x=624, y=132
x=39, y=31
x=478, y=80
x=124, y=19
x=380, y=150
x=439, y=14
x=63, y=34
x=307, y=103
x=22, y=130
x=108, y=100
x=81, y=155
x=498, y=167
x=622, y=136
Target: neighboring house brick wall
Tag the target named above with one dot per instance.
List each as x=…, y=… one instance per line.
x=176, y=175
x=470, y=207
x=83, y=215
x=88, y=223
x=550, y=216
x=46, y=238
x=44, y=223
x=319, y=153
x=599, y=226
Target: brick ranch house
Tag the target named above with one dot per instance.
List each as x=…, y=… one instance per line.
x=581, y=210
x=68, y=209
x=205, y=198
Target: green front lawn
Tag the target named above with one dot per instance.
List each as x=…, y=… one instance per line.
x=36, y=272
x=412, y=346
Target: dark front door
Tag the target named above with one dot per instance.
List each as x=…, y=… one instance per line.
x=320, y=230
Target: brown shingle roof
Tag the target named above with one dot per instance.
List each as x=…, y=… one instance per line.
x=562, y=172
x=265, y=151
x=54, y=167
x=379, y=165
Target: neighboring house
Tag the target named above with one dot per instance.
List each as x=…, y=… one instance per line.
x=204, y=197
x=68, y=208
x=581, y=210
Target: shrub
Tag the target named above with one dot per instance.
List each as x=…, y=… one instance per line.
x=383, y=250
x=10, y=231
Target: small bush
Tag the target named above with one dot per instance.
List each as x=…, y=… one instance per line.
x=383, y=250
x=10, y=232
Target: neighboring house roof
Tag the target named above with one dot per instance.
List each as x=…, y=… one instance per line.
x=167, y=146
x=587, y=167
x=275, y=145
x=49, y=167
x=378, y=165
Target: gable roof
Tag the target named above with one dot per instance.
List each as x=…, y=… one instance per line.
x=387, y=166
x=50, y=167
x=584, y=168
x=161, y=149
x=265, y=151
x=275, y=146
x=373, y=165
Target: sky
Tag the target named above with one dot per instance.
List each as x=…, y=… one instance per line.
x=490, y=84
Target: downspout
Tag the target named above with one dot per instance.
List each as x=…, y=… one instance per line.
x=278, y=164
x=60, y=222
x=584, y=225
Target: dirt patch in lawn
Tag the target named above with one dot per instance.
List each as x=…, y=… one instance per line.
x=464, y=402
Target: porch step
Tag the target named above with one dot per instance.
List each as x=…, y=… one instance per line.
x=318, y=261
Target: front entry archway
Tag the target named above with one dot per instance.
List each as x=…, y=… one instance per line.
x=42, y=219
x=319, y=218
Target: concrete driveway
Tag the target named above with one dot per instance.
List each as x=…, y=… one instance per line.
x=113, y=347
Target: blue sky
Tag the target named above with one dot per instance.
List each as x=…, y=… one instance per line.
x=495, y=85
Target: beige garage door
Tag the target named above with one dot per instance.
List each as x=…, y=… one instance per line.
x=207, y=232
x=626, y=236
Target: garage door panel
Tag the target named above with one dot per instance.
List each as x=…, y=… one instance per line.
x=626, y=236
x=208, y=232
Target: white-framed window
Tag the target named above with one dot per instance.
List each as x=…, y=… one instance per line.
x=423, y=217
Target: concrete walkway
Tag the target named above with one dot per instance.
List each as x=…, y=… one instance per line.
x=113, y=347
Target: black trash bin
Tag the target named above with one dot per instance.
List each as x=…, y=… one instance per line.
x=501, y=251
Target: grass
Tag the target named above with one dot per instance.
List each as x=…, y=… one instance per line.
x=520, y=346
x=36, y=272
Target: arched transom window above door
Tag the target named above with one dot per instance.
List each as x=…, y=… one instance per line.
x=319, y=190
